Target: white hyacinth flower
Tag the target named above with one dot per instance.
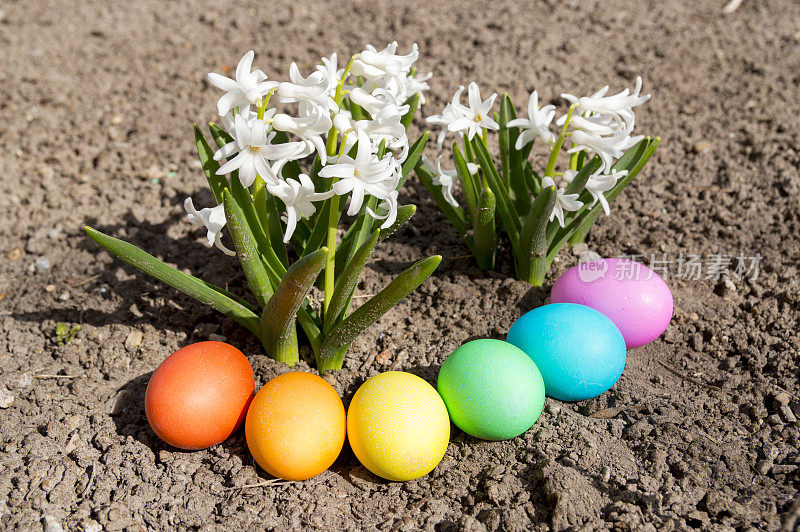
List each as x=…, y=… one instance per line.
x=536, y=125
x=598, y=184
x=313, y=89
x=252, y=142
x=298, y=196
x=478, y=115
x=366, y=174
x=330, y=69
x=213, y=219
x=386, y=126
x=228, y=121
x=607, y=148
x=564, y=201
x=619, y=106
x=376, y=101
x=373, y=64
x=599, y=125
x=246, y=90
x=312, y=123
x=449, y=115
x=389, y=204
x=445, y=178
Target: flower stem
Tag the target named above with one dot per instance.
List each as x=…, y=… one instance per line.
x=573, y=161
x=333, y=213
x=330, y=261
x=551, y=162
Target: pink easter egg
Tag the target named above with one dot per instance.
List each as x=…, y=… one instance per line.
x=636, y=298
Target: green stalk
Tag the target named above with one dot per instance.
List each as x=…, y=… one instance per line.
x=551, y=162
x=333, y=214
x=330, y=261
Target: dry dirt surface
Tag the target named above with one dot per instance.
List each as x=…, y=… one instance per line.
x=97, y=101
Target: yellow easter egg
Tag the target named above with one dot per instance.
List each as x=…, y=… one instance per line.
x=398, y=426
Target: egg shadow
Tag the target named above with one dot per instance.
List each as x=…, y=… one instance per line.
x=127, y=412
x=128, y=415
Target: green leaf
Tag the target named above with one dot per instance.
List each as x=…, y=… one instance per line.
x=220, y=136
x=320, y=231
x=485, y=232
x=512, y=159
x=578, y=183
x=633, y=160
x=217, y=298
x=358, y=112
x=532, y=179
x=347, y=281
x=254, y=269
x=368, y=313
x=362, y=230
x=470, y=185
x=508, y=214
x=454, y=214
x=532, y=260
x=413, y=104
x=217, y=183
x=278, y=318
x=275, y=229
x=404, y=214
x=414, y=153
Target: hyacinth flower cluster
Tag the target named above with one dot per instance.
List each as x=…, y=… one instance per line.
x=284, y=176
x=539, y=212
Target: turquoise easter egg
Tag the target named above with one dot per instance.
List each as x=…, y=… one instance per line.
x=578, y=350
x=492, y=389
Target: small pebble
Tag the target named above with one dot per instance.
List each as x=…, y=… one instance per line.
x=42, y=264
x=50, y=288
x=6, y=399
x=25, y=380
x=702, y=146
x=784, y=469
x=51, y=524
x=763, y=467
x=116, y=405
x=580, y=248
x=787, y=414
x=64, y=296
x=783, y=398
x=133, y=340
x=92, y=526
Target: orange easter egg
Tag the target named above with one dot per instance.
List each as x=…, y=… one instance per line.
x=295, y=426
x=199, y=395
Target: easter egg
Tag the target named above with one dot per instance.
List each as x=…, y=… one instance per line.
x=295, y=426
x=578, y=350
x=199, y=395
x=398, y=426
x=492, y=389
x=636, y=299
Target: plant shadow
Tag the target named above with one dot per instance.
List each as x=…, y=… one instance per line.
x=118, y=293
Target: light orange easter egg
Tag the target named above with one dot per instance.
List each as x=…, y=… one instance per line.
x=295, y=426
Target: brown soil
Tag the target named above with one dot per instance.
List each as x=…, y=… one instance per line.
x=97, y=99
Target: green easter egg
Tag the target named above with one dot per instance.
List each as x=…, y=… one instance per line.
x=492, y=389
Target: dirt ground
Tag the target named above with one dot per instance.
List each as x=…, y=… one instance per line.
x=97, y=101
